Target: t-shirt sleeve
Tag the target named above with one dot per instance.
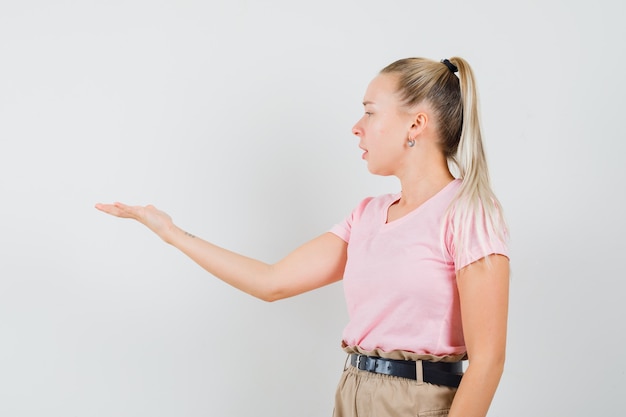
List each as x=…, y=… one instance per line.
x=344, y=229
x=476, y=242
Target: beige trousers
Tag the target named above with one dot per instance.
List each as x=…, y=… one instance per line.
x=366, y=394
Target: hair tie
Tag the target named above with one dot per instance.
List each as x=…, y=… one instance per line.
x=450, y=65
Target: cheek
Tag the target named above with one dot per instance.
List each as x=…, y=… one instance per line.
x=386, y=139
x=378, y=131
x=388, y=127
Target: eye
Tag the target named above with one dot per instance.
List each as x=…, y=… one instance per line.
x=368, y=113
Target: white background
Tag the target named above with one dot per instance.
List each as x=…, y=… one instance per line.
x=235, y=117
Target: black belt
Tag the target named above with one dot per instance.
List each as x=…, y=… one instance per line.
x=439, y=373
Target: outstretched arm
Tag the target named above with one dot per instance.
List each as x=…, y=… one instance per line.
x=318, y=262
x=484, y=294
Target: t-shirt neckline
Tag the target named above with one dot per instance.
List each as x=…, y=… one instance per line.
x=396, y=197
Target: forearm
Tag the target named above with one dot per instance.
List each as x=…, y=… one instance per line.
x=244, y=273
x=477, y=389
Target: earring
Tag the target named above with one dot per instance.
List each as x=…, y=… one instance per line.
x=411, y=142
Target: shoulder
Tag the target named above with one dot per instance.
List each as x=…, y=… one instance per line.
x=366, y=211
x=370, y=208
x=475, y=228
x=381, y=200
x=375, y=203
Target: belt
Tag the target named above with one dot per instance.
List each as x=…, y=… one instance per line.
x=439, y=373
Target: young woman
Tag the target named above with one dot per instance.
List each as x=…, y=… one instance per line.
x=425, y=271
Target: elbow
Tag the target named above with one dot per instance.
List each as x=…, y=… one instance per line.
x=272, y=297
x=497, y=368
x=492, y=363
x=497, y=361
x=271, y=294
x=498, y=364
x=269, y=297
x=275, y=294
x=272, y=287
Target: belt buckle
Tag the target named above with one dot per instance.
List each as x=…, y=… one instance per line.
x=358, y=361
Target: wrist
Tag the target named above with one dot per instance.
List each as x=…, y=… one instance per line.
x=171, y=233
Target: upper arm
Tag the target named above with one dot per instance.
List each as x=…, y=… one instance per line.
x=484, y=294
x=319, y=262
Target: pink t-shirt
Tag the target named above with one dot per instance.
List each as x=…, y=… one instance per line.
x=400, y=281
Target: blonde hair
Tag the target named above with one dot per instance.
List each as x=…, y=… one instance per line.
x=455, y=105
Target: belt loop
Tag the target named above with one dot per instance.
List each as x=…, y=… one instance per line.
x=345, y=364
x=419, y=372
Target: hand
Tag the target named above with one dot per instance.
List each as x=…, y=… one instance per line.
x=151, y=217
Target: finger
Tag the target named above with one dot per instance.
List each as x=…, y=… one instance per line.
x=116, y=209
x=133, y=212
x=108, y=209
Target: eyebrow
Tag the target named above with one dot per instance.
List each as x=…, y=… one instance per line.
x=365, y=103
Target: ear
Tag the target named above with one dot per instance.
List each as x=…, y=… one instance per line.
x=419, y=123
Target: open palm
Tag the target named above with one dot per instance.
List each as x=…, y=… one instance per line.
x=156, y=220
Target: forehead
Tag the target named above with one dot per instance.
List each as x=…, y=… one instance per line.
x=382, y=90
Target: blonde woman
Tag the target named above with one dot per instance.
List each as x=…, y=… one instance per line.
x=425, y=271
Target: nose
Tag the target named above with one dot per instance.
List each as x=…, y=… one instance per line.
x=357, y=130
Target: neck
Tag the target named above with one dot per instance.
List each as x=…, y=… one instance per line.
x=423, y=181
x=415, y=192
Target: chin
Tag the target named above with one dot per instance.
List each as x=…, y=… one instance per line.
x=378, y=171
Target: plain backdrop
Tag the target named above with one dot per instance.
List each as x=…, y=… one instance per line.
x=235, y=117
